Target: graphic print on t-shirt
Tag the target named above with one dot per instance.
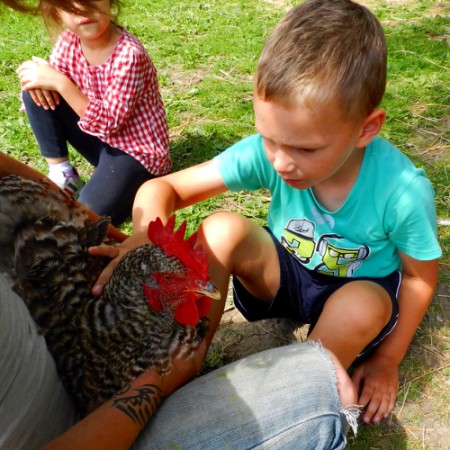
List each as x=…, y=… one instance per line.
x=329, y=253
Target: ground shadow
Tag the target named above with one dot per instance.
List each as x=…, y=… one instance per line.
x=194, y=148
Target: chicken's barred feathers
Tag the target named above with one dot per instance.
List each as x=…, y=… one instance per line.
x=99, y=344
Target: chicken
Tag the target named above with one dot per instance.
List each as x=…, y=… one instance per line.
x=154, y=303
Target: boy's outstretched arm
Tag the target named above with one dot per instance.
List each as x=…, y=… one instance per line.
x=378, y=375
x=161, y=197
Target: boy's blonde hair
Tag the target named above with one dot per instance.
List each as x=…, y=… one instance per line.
x=325, y=51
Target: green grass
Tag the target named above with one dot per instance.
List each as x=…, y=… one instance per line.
x=206, y=52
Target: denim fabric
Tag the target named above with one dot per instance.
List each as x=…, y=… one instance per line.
x=283, y=398
x=34, y=406
x=111, y=189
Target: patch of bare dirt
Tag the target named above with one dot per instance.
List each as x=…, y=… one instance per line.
x=236, y=338
x=432, y=142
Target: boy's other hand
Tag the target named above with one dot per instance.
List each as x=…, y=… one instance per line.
x=376, y=380
x=116, y=254
x=105, y=251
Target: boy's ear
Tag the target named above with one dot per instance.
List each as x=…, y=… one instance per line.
x=371, y=127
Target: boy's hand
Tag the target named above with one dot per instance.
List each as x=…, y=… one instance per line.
x=116, y=254
x=377, y=381
x=105, y=251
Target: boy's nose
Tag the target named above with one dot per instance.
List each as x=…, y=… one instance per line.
x=282, y=162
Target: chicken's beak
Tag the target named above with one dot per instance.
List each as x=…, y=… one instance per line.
x=208, y=289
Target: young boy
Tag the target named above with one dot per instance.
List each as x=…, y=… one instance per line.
x=351, y=244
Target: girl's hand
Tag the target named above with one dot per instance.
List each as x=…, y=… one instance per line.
x=39, y=74
x=45, y=99
x=377, y=380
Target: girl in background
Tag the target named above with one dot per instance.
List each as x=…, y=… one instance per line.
x=99, y=92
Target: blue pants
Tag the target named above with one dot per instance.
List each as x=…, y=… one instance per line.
x=281, y=399
x=117, y=177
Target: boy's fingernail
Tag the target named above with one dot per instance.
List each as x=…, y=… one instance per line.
x=97, y=289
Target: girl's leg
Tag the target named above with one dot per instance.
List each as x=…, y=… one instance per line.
x=112, y=188
x=236, y=245
x=53, y=129
x=48, y=127
x=352, y=317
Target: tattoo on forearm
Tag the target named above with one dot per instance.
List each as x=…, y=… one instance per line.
x=140, y=403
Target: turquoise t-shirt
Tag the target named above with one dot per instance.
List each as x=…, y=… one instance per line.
x=389, y=209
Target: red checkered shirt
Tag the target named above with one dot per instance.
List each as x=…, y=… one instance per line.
x=125, y=108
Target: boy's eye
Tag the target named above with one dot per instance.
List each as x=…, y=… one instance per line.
x=306, y=150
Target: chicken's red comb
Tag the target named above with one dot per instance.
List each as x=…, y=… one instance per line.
x=173, y=243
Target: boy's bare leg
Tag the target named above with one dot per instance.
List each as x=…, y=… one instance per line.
x=351, y=318
x=236, y=245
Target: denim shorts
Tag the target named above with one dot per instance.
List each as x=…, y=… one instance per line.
x=303, y=293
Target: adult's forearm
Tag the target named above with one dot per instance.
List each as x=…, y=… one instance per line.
x=117, y=423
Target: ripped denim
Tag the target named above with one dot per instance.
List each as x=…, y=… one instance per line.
x=283, y=398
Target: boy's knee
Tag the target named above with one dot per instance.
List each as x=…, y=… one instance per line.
x=222, y=229
x=369, y=307
x=362, y=307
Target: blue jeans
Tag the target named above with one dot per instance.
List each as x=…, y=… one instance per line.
x=117, y=177
x=283, y=398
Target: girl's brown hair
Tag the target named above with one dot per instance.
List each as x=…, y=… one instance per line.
x=49, y=11
x=75, y=6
